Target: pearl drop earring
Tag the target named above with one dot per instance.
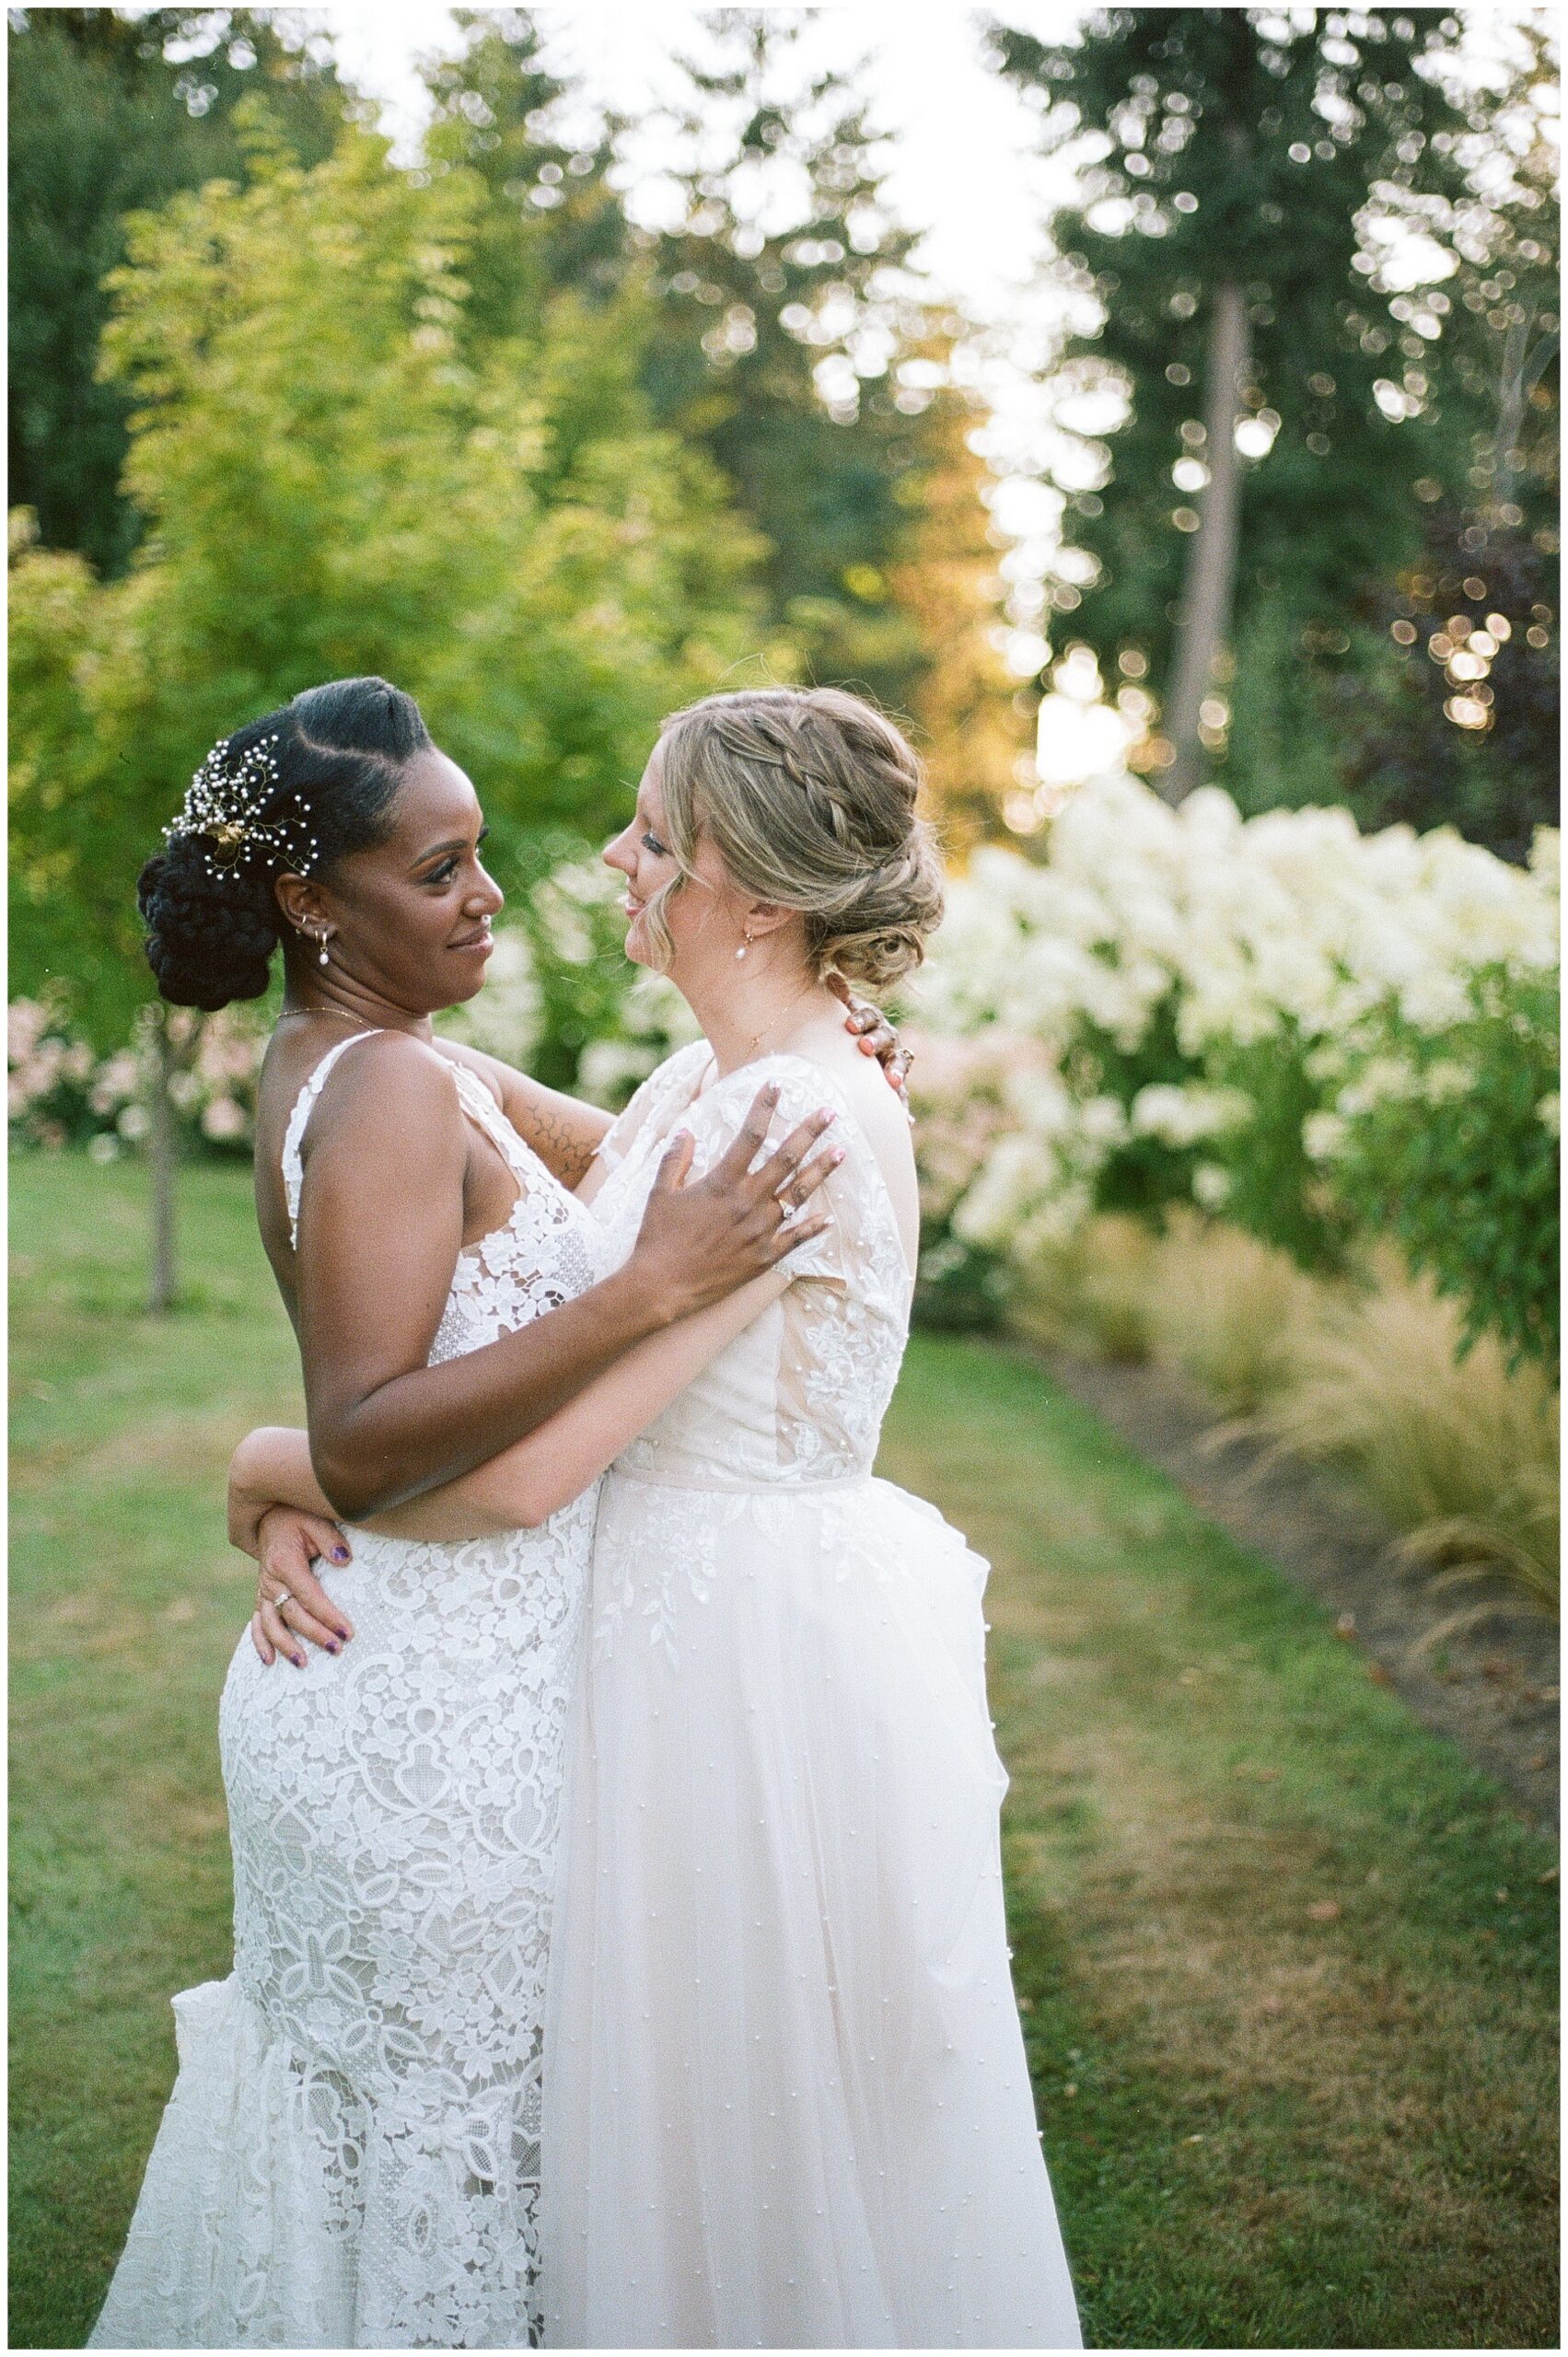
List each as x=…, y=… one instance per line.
x=745, y=944
x=323, y=960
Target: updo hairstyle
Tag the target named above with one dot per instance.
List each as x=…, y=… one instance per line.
x=809, y=796
x=338, y=752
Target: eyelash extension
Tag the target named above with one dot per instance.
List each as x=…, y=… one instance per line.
x=659, y=850
x=444, y=873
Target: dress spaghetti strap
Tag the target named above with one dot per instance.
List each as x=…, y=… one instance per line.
x=304, y=1106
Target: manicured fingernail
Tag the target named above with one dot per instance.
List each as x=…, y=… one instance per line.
x=298, y=1660
x=345, y=1635
x=339, y=1554
x=837, y=1156
x=333, y=1646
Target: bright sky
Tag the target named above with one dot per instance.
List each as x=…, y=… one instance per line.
x=963, y=170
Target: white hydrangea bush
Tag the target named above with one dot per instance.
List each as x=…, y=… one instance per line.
x=1185, y=1004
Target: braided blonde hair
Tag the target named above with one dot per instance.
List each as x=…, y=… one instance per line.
x=809, y=796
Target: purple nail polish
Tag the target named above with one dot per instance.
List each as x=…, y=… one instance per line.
x=339, y=1554
x=333, y=1646
x=299, y=1661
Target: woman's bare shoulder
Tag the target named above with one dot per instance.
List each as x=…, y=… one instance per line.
x=387, y=1088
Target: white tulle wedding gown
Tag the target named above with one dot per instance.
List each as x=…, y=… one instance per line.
x=350, y=2157
x=786, y=2101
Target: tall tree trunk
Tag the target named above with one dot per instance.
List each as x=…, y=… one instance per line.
x=1521, y=371
x=162, y=1158
x=1206, y=593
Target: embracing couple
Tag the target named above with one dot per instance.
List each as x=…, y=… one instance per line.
x=620, y=1954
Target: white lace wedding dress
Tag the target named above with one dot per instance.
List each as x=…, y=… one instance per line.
x=350, y=2157
x=786, y=2101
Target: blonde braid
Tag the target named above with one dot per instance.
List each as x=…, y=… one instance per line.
x=809, y=795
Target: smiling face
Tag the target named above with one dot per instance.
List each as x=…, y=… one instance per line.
x=410, y=918
x=705, y=919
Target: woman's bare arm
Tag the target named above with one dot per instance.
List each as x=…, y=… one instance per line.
x=525, y=1483
x=565, y=1131
x=276, y=1506
x=379, y=1231
x=538, y=1474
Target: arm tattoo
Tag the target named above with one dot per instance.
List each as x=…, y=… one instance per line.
x=563, y=1130
x=562, y=1143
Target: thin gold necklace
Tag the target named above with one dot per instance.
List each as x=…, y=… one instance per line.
x=758, y=1036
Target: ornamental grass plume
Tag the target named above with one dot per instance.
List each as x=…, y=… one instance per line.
x=1462, y=1459
x=1093, y=1293
x=1231, y=1311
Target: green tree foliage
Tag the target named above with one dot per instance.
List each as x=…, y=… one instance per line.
x=794, y=346
x=109, y=113
x=974, y=728
x=552, y=221
x=1475, y=627
x=1471, y=1192
x=330, y=485
x=787, y=339
x=1466, y=723
x=1289, y=155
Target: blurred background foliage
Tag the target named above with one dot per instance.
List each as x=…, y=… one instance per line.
x=282, y=408
x=282, y=405
x=286, y=406
x=1389, y=235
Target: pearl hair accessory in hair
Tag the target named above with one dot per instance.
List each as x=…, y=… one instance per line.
x=223, y=802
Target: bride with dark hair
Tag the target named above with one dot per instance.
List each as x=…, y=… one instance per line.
x=350, y=2154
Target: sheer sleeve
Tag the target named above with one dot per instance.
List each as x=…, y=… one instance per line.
x=833, y=1354
x=645, y=1113
x=853, y=1248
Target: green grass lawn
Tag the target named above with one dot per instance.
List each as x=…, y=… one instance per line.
x=1287, y=1965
